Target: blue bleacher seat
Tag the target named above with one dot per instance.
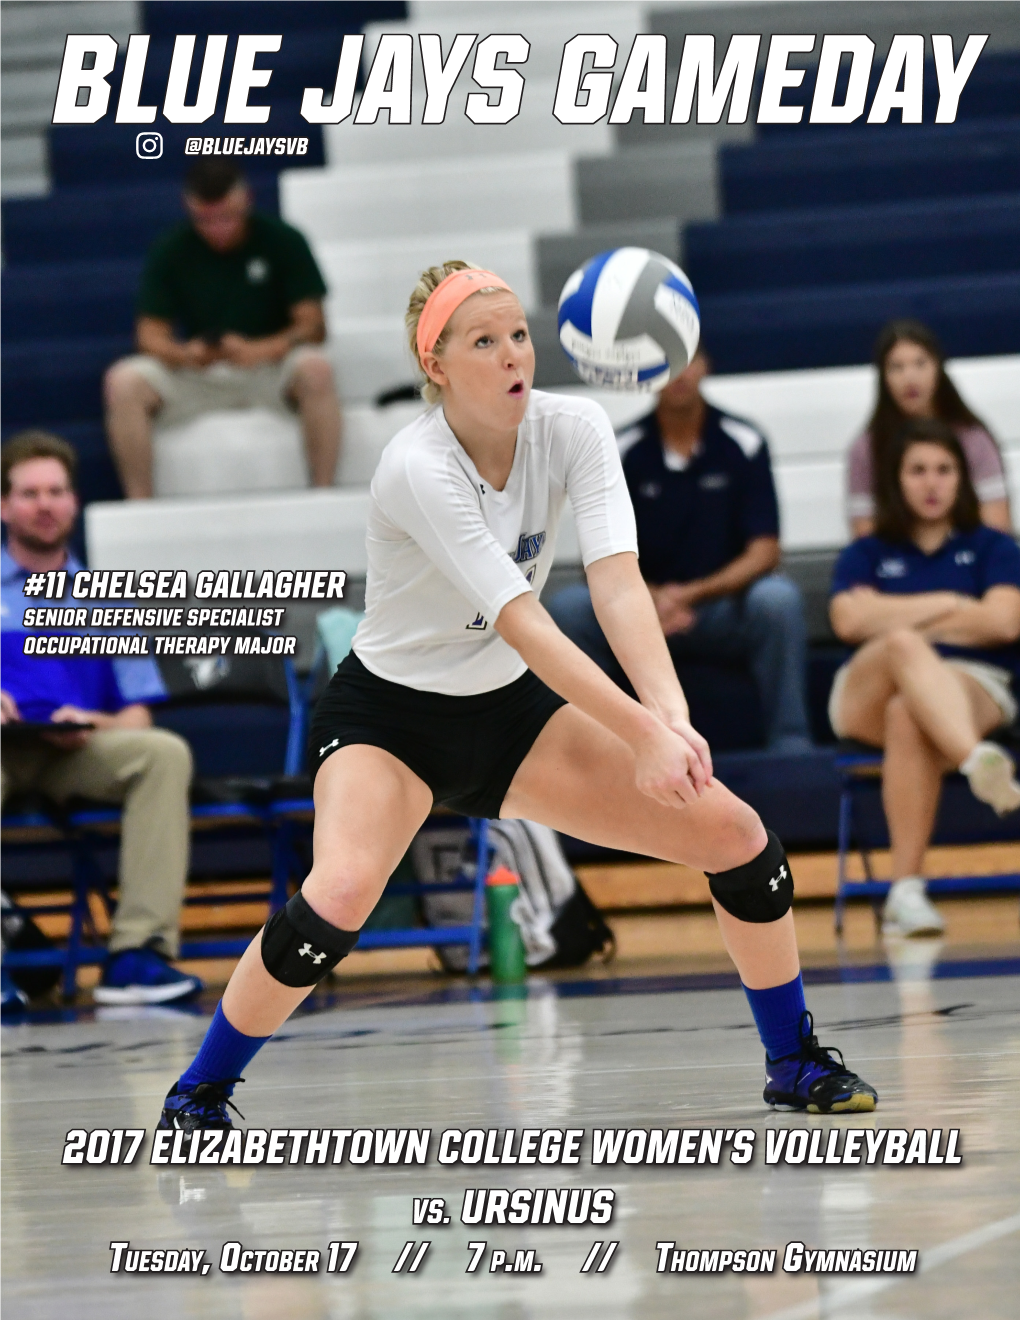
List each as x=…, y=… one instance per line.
x=50, y=381
x=848, y=167
x=783, y=329
x=845, y=245
x=98, y=222
x=36, y=304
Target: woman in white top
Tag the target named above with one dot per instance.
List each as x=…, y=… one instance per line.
x=913, y=385
x=460, y=689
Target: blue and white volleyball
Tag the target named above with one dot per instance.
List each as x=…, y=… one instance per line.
x=629, y=320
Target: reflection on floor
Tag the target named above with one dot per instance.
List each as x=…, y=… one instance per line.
x=659, y=1039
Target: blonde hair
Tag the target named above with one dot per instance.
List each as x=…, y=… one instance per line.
x=429, y=281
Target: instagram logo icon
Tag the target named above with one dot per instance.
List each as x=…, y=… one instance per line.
x=149, y=146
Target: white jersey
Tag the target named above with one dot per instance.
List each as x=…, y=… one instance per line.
x=446, y=551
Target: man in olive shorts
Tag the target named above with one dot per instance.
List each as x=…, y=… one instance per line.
x=229, y=310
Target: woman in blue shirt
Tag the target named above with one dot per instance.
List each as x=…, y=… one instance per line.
x=932, y=601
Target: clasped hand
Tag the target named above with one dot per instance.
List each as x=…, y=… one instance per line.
x=674, y=763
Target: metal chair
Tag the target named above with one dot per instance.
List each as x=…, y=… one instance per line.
x=224, y=807
x=860, y=769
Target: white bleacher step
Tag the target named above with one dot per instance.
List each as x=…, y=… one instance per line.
x=293, y=530
x=369, y=355
x=367, y=432
x=817, y=413
x=236, y=450
x=245, y=450
x=530, y=191
x=809, y=417
x=370, y=278
x=534, y=129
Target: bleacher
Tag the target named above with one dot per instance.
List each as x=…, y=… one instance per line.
x=800, y=242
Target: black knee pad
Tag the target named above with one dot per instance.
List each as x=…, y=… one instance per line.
x=760, y=890
x=299, y=948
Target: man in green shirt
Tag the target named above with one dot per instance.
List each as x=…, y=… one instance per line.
x=229, y=310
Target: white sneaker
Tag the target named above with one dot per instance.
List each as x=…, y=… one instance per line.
x=909, y=911
x=991, y=774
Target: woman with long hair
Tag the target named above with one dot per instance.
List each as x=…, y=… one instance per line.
x=913, y=385
x=461, y=690
x=932, y=601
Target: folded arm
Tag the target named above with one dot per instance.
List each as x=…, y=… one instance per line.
x=862, y=612
x=994, y=620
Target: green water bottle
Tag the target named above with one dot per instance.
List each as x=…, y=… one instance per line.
x=506, y=948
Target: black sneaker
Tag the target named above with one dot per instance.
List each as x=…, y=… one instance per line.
x=816, y=1079
x=189, y=1108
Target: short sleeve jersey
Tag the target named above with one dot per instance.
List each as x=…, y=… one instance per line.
x=41, y=684
x=446, y=551
x=695, y=517
x=983, y=460
x=969, y=563
x=248, y=290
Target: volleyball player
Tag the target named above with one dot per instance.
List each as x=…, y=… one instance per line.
x=461, y=690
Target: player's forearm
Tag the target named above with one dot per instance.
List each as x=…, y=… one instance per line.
x=564, y=667
x=628, y=619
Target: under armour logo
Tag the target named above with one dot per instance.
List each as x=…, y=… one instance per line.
x=774, y=882
x=315, y=957
x=334, y=743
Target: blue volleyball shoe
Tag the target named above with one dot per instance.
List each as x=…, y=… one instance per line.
x=816, y=1079
x=143, y=976
x=191, y=1108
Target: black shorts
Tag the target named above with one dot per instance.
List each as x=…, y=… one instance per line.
x=467, y=749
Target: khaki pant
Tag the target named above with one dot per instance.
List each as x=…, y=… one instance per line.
x=147, y=773
x=188, y=392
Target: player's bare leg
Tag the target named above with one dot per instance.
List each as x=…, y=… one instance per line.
x=579, y=778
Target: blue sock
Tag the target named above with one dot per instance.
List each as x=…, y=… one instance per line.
x=224, y=1053
x=777, y=1014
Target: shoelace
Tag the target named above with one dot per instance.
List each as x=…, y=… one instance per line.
x=212, y=1095
x=812, y=1052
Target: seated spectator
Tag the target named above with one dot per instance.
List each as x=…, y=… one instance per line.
x=123, y=760
x=229, y=308
x=932, y=601
x=913, y=383
x=708, y=542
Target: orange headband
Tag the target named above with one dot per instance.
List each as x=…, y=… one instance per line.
x=444, y=300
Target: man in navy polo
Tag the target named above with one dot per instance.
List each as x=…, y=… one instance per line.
x=708, y=541
x=122, y=760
